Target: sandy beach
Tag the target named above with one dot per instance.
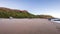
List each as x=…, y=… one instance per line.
x=28, y=26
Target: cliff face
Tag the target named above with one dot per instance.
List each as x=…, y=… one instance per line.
x=8, y=9
x=7, y=12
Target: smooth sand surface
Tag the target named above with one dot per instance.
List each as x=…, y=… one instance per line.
x=27, y=26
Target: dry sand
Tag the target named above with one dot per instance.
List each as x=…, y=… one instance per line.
x=27, y=26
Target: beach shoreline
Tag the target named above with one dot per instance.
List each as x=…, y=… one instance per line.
x=27, y=26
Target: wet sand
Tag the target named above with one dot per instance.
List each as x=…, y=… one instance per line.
x=27, y=26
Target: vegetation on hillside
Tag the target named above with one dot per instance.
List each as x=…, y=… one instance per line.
x=6, y=13
x=45, y=16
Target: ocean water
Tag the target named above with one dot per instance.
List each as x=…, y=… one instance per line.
x=57, y=21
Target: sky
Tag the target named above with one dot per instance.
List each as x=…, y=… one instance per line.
x=37, y=7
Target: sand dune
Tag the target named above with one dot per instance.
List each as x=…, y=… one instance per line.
x=27, y=26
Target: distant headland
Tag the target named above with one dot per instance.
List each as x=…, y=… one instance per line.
x=15, y=13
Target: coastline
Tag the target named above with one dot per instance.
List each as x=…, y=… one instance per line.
x=27, y=26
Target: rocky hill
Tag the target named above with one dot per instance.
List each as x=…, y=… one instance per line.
x=15, y=13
